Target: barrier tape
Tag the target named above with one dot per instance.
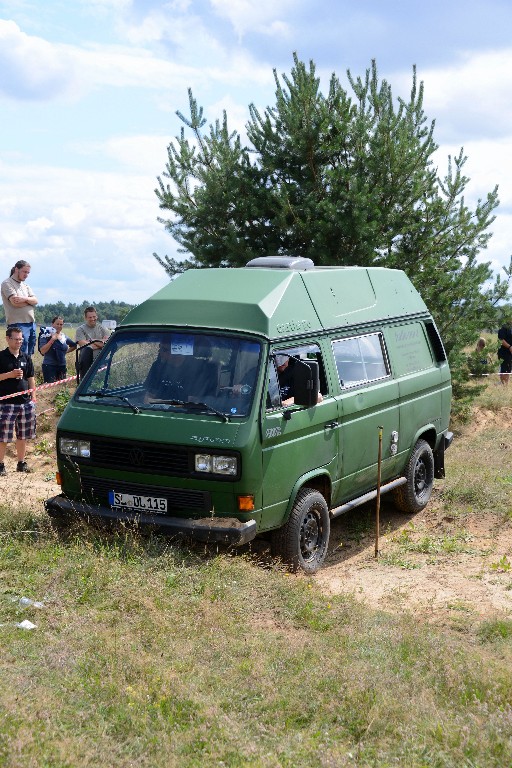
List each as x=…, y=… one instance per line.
x=41, y=386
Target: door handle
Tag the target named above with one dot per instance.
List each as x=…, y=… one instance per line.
x=331, y=425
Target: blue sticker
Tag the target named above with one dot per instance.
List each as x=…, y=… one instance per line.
x=234, y=410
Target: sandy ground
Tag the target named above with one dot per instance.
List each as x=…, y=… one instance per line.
x=469, y=584
x=461, y=587
x=40, y=483
x=441, y=586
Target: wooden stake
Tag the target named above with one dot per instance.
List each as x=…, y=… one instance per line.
x=377, y=506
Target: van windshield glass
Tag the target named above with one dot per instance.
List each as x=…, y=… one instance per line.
x=171, y=371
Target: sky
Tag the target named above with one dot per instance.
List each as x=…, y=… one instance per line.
x=89, y=91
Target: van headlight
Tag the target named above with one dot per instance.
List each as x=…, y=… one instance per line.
x=215, y=464
x=73, y=447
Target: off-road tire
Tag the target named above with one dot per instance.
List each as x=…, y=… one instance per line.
x=415, y=494
x=302, y=541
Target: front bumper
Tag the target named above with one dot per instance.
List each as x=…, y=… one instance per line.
x=227, y=530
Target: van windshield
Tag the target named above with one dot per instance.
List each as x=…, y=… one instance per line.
x=171, y=371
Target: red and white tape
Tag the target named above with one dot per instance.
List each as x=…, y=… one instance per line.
x=41, y=386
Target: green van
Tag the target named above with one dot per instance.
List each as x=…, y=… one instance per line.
x=239, y=402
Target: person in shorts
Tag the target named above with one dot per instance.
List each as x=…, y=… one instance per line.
x=18, y=412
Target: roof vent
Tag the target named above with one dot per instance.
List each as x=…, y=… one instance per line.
x=282, y=262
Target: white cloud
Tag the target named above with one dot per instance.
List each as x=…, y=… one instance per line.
x=70, y=216
x=97, y=247
x=30, y=67
x=265, y=16
x=38, y=227
x=467, y=98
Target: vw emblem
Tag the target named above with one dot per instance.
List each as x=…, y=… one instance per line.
x=136, y=457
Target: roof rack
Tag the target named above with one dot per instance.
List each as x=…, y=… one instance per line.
x=282, y=262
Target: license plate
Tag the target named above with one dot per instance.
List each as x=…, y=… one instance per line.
x=131, y=501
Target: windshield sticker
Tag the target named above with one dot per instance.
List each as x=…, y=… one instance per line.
x=182, y=345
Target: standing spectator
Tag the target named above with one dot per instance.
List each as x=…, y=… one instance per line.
x=17, y=414
x=90, y=331
x=19, y=302
x=505, y=350
x=54, y=345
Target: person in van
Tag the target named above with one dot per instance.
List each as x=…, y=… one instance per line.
x=177, y=376
x=285, y=373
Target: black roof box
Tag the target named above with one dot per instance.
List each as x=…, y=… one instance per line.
x=282, y=262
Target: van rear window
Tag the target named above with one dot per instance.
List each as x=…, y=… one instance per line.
x=360, y=359
x=409, y=348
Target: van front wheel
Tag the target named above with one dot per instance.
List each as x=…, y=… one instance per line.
x=414, y=495
x=302, y=541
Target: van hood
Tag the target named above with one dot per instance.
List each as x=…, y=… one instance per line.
x=197, y=429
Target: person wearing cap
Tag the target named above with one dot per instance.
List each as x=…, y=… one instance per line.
x=285, y=375
x=19, y=302
x=286, y=379
x=17, y=413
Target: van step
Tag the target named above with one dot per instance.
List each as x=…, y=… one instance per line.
x=367, y=497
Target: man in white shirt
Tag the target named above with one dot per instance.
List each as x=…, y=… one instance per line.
x=19, y=301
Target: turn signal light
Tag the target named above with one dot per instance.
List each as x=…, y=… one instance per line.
x=58, y=478
x=246, y=503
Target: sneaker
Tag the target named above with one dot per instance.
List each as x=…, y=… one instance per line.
x=3, y=471
x=22, y=466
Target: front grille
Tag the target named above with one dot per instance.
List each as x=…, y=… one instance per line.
x=152, y=458
x=96, y=490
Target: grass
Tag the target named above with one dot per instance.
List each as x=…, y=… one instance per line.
x=152, y=654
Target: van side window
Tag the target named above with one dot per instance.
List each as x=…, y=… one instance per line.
x=435, y=340
x=360, y=359
x=280, y=372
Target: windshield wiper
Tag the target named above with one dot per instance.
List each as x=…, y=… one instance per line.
x=102, y=393
x=193, y=404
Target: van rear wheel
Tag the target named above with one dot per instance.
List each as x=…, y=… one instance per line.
x=414, y=495
x=302, y=541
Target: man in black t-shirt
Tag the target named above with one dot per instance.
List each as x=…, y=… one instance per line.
x=17, y=412
x=505, y=350
x=179, y=377
x=286, y=379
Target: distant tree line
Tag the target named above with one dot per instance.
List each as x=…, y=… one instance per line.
x=74, y=313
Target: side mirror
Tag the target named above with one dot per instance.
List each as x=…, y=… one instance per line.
x=306, y=382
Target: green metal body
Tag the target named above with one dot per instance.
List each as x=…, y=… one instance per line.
x=331, y=446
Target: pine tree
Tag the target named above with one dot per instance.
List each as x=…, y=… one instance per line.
x=342, y=178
